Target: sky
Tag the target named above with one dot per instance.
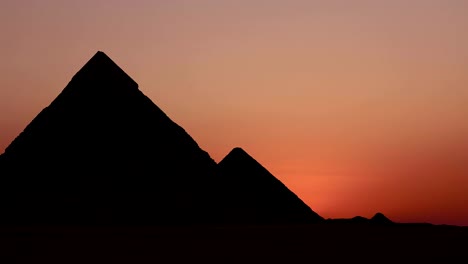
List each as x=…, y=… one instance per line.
x=357, y=106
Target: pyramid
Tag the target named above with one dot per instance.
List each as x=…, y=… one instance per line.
x=103, y=153
x=380, y=218
x=254, y=196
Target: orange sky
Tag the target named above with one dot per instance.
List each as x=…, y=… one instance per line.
x=357, y=106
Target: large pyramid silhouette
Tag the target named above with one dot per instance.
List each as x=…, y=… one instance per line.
x=104, y=153
x=254, y=195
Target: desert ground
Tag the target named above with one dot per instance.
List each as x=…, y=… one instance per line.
x=314, y=243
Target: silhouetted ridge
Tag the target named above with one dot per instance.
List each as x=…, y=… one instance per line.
x=102, y=152
x=254, y=195
x=377, y=219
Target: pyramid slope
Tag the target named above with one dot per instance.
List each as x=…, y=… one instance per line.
x=103, y=152
x=254, y=195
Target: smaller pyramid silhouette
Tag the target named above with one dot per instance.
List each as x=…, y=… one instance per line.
x=254, y=196
x=380, y=218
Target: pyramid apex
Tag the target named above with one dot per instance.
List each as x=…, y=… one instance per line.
x=101, y=53
x=238, y=149
x=238, y=152
x=101, y=67
x=101, y=56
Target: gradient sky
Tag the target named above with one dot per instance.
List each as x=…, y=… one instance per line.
x=357, y=106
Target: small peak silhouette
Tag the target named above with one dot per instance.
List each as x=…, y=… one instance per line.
x=380, y=218
x=377, y=219
x=253, y=195
x=238, y=151
x=103, y=153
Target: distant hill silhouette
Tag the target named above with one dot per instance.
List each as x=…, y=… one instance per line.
x=103, y=153
x=377, y=219
x=254, y=195
x=359, y=219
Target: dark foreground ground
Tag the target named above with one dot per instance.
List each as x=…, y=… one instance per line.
x=321, y=243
